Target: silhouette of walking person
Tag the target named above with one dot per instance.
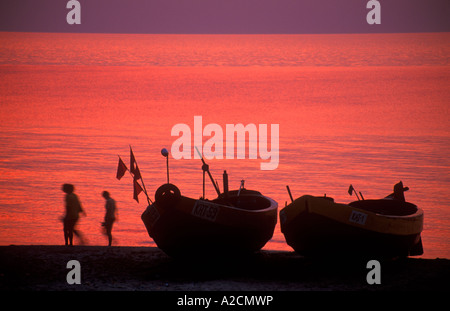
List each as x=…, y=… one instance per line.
x=110, y=215
x=70, y=219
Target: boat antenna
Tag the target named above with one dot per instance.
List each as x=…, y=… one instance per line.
x=165, y=153
x=290, y=194
x=241, y=187
x=361, y=195
x=205, y=168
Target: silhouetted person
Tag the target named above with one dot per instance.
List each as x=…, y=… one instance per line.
x=70, y=219
x=110, y=215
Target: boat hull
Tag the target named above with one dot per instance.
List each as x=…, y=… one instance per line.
x=200, y=227
x=317, y=226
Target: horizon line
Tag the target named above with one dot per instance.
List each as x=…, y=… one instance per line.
x=228, y=34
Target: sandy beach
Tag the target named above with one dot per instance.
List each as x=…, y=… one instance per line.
x=43, y=268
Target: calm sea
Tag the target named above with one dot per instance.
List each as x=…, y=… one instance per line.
x=369, y=110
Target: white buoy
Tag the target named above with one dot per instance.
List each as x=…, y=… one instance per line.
x=165, y=153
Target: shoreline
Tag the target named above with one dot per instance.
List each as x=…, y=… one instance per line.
x=122, y=268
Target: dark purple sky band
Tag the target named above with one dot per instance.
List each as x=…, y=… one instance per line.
x=225, y=16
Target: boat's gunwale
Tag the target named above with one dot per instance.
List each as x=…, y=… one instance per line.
x=273, y=204
x=228, y=215
x=381, y=223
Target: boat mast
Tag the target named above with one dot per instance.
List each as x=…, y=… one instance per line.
x=205, y=167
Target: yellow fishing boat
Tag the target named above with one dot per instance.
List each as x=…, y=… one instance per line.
x=388, y=227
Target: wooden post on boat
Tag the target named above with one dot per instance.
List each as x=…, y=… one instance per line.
x=225, y=184
x=205, y=168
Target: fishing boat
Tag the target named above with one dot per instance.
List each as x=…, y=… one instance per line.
x=236, y=222
x=386, y=228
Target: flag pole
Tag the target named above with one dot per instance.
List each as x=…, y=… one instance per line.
x=351, y=189
x=144, y=190
x=149, y=201
x=165, y=154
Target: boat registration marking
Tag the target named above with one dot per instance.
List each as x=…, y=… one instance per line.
x=358, y=218
x=206, y=210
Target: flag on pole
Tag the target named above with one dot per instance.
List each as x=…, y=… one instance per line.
x=351, y=189
x=121, y=169
x=137, y=190
x=134, y=169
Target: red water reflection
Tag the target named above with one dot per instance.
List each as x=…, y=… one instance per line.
x=350, y=123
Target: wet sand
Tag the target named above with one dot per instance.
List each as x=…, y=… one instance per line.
x=43, y=268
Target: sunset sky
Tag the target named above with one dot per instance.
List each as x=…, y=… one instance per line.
x=225, y=16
